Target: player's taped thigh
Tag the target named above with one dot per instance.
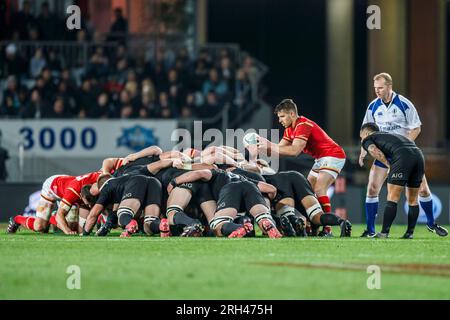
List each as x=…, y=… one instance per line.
x=285, y=211
x=216, y=222
x=73, y=214
x=313, y=210
x=44, y=209
x=125, y=215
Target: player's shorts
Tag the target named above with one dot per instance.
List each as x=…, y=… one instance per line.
x=154, y=192
x=135, y=188
x=204, y=193
x=408, y=168
x=240, y=195
x=48, y=199
x=290, y=184
x=172, y=173
x=331, y=165
x=46, y=192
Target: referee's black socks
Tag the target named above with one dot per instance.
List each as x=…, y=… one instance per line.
x=390, y=211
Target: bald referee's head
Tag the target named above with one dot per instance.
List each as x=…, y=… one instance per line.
x=382, y=83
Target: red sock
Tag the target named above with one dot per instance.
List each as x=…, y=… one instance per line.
x=53, y=220
x=325, y=203
x=20, y=220
x=29, y=223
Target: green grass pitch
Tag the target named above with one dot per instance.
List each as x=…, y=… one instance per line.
x=34, y=266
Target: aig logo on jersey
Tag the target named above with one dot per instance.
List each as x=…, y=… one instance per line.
x=398, y=175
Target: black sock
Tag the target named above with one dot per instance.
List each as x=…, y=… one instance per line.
x=154, y=226
x=329, y=219
x=228, y=227
x=125, y=216
x=413, y=214
x=390, y=211
x=182, y=218
x=111, y=219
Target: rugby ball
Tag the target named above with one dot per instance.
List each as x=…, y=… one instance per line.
x=250, y=138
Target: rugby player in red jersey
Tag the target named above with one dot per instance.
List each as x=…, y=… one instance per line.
x=304, y=135
x=63, y=188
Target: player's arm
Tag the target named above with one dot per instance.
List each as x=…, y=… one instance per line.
x=291, y=150
x=155, y=167
x=414, y=133
x=191, y=176
x=378, y=154
x=362, y=156
x=174, y=155
x=267, y=188
x=63, y=209
x=147, y=152
x=91, y=219
x=110, y=164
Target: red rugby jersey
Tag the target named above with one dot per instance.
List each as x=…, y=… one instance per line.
x=68, y=188
x=318, y=143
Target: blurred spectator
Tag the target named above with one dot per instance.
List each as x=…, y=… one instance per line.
x=119, y=29
x=86, y=99
x=103, y=108
x=226, y=71
x=211, y=107
x=215, y=84
x=54, y=61
x=126, y=111
x=33, y=33
x=35, y=107
x=59, y=110
x=13, y=65
x=147, y=108
x=165, y=108
x=24, y=20
x=121, y=72
x=48, y=23
x=175, y=89
x=37, y=63
x=148, y=89
x=69, y=100
x=11, y=103
x=98, y=64
x=3, y=157
x=242, y=89
x=200, y=74
x=49, y=88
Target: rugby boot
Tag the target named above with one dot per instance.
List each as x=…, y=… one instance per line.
x=12, y=226
x=242, y=231
x=270, y=229
x=164, y=228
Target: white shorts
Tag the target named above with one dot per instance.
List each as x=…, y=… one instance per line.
x=48, y=199
x=330, y=165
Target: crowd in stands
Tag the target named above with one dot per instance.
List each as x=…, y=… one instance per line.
x=39, y=81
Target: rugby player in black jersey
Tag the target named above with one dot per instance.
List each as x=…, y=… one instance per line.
x=129, y=193
x=406, y=168
x=234, y=193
